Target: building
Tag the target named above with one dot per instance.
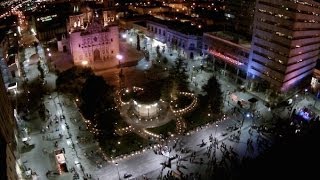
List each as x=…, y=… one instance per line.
x=315, y=80
x=228, y=53
x=149, y=9
x=285, y=44
x=239, y=15
x=7, y=137
x=168, y=35
x=182, y=37
x=47, y=23
x=9, y=65
x=93, y=37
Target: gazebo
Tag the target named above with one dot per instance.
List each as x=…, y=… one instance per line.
x=146, y=102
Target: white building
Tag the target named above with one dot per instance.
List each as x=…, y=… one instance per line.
x=186, y=39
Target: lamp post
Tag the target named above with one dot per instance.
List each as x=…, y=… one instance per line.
x=295, y=101
x=243, y=118
x=315, y=99
x=119, y=57
x=118, y=170
x=215, y=132
x=305, y=93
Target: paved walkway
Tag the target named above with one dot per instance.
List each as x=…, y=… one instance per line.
x=83, y=151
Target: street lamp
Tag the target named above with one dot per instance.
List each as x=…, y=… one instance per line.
x=119, y=57
x=84, y=63
x=305, y=93
x=215, y=132
x=243, y=118
x=118, y=170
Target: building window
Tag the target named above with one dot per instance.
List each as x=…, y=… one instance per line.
x=160, y=31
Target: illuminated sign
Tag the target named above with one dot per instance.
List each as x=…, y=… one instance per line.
x=225, y=57
x=46, y=18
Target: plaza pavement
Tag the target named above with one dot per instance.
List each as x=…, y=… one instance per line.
x=40, y=159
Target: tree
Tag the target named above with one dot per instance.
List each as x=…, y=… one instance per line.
x=179, y=75
x=165, y=60
x=94, y=96
x=214, y=94
x=72, y=80
x=177, y=80
x=165, y=90
x=138, y=42
x=97, y=105
x=40, y=70
x=105, y=122
x=35, y=44
x=158, y=51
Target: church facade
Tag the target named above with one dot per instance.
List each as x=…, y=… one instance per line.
x=93, y=38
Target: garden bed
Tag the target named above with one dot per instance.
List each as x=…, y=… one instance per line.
x=165, y=129
x=126, y=144
x=199, y=116
x=181, y=102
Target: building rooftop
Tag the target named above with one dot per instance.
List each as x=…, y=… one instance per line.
x=232, y=37
x=141, y=23
x=183, y=27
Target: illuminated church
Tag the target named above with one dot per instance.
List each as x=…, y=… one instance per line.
x=93, y=36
